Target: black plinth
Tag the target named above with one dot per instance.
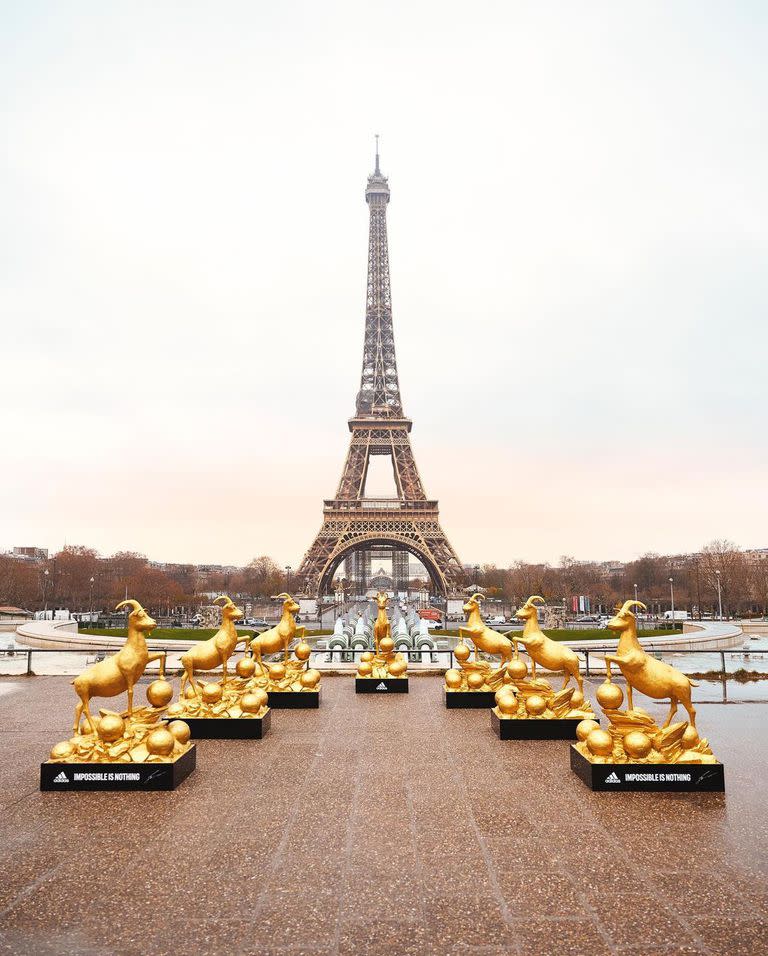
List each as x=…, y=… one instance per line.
x=623, y=777
x=528, y=728
x=228, y=728
x=282, y=699
x=384, y=685
x=469, y=698
x=117, y=776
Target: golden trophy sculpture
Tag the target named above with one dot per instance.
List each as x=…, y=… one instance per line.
x=384, y=670
x=528, y=707
x=130, y=750
x=290, y=682
x=233, y=707
x=630, y=754
x=476, y=682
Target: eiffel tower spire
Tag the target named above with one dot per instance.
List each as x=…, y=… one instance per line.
x=379, y=394
x=353, y=522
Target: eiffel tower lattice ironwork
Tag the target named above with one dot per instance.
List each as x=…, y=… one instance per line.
x=351, y=521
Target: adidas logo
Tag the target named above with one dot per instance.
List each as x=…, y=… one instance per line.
x=381, y=686
x=612, y=778
x=61, y=778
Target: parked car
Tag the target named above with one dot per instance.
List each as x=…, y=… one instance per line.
x=497, y=619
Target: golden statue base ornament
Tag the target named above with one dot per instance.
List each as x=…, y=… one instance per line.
x=528, y=708
x=133, y=750
x=235, y=710
x=289, y=683
x=474, y=683
x=139, y=752
x=635, y=753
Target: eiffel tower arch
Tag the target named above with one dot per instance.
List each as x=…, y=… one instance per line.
x=409, y=521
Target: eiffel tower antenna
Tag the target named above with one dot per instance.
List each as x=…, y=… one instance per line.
x=353, y=522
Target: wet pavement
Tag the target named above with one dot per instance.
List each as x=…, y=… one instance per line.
x=379, y=825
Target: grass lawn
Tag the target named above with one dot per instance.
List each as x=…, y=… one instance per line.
x=161, y=633
x=588, y=634
x=177, y=633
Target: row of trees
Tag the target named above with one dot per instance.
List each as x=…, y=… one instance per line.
x=80, y=579
x=742, y=578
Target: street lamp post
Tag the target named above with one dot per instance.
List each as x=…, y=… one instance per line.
x=719, y=596
x=46, y=575
x=635, y=587
x=672, y=596
x=90, y=609
x=477, y=574
x=287, y=579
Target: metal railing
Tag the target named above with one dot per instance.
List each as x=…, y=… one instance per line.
x=413, y=654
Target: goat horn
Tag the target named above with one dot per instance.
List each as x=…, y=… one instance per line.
x=628, y=605
x=535, y=597
x=477, y=597
x=283, y=597
x=223, y=597
x=134, y=604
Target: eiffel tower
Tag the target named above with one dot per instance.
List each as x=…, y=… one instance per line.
x=351, y=521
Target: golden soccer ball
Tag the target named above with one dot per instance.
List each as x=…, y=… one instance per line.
x=610, y=695
x=180, y=730
x=637, y=744
x=690, y=737
x=250, y=703
x=175, y=710
x=261, y=695
x=189, y=692
x=159, y=692
x=62, y=750
x=453, y=679
x=398, y=668
x=475, y=680
x=585, y=727
x=110, y=727
x=277, y=671
x=366, y=657
x=536, y=705
x=461, y=652
x=246, y=667
x=161, y=742
x=600, y=743
x=310, y=678
x=212, y=693
x=506, y=702
x=517, y=669
x=386, y=645
x=302, y=651
x=577, y=698
x=364, y=668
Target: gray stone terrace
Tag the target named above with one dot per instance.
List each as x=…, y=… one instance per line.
x=378, y=825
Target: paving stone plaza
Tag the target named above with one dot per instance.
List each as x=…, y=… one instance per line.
x=381, y=825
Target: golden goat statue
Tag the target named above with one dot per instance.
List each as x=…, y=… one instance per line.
x=217, y=650
x=280, y=636
x=381, y=626
x=653, y=678
x=119, y=672
x=541, y=649
x=483, y=637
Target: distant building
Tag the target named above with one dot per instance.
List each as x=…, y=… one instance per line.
x=30, y=554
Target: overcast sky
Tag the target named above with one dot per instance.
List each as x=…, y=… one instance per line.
x=577, y=236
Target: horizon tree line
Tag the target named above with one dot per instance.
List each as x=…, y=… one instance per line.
x=80, y=579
